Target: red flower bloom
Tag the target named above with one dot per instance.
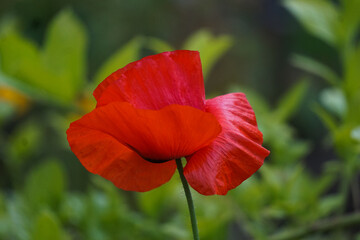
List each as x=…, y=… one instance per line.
x=153, y=111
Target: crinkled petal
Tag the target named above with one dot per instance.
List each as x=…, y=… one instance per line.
x=156, y=81
x=102, y=154
x=234, y=155
x=156, y=135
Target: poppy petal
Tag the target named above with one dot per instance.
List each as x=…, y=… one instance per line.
x=156, y=81
x=234, y=155
x=157, y=135
x=102, y=154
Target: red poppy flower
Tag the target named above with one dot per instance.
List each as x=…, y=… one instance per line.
x=153, y=111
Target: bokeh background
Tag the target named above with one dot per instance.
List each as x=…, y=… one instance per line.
x=298, y=61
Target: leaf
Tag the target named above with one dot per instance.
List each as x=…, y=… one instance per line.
x=250, y=197
x=285, y=148
x=334, y=100
x=159, y=202
x=330, y=204
x=327, y=119
x=55, y=73
x=355, y=133
x=23, y=143
x=319, y=17
x=211, y=48
x=210, y=209
x=20, y=58
x=6, y=111
x=47, y=227
x=290, y=102
x=312, y=66
x=45, y=185
x=22, y=87
x=174, y=231
x=350, y=18
x=64, y=54
x=123, y=56
x=352, y=71
x=17, y=217
x=73, y=208
x=157, y=45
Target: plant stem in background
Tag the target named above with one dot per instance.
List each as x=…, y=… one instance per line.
x=189, y=199
x=356, y=193
x=321, y=226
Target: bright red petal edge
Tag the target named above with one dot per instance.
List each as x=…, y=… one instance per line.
x=156, y=81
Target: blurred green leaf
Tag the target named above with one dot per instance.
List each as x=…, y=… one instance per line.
x=209, y=209
x=23, y=87
x=57, y=71
x=350, y=18
x=23, y=144
x=312, y=66
x=325, y=181
x=346, y=147
x=333, y=99
x=319, y=17
x=352, y=72
x=157, y=45
x=47, y=227
x=288, y=195
x=174, y=231
x=273, y=181
x=128, y=53
x=21, y=59
x=250, y=197
x=64, y=54
x=211, y=48
x=108, y=217
x=289, y=103
x=161, y=201
x=45, y=185
x=355, y=134
x=72, y=209
x=6, y=110
x=329, y=204
x=18, y=222
x=327, y=119
x=285, y=148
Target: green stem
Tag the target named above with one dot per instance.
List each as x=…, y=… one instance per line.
x=189, y=199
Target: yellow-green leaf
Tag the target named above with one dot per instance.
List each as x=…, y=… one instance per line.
x=128, y=53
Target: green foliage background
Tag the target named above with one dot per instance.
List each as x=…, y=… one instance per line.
x=308, y=187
